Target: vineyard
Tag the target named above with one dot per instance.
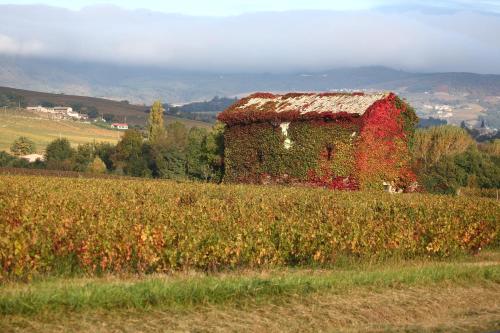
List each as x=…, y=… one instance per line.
x=67, y=225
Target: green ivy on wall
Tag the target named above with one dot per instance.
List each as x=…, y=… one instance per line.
x=259, y=149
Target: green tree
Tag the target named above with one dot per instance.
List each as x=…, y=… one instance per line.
x=432, y=144
x=22, y=146
x=168, y=153
x=156, y=126
x=105, y=151
x=83, y=156
x=47, y=104
x=481, y=168
x=214, y=146
x=6, y=160
x=128, y=155
x=109, y=117
x=196, y=154
x=92, y=112
x=59, y=155
x=59, y=150
x=12, y=100
x=472, y=168
x=444, y=177
x=434, y=152
x=177, y=136
x=78, y=107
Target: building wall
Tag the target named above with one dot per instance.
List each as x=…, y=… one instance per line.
x=384, y=145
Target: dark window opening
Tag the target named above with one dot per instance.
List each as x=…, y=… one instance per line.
x=260, y=156
x=329, y=152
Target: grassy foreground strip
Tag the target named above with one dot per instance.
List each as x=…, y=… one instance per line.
x=435, y=308
x=184, y=291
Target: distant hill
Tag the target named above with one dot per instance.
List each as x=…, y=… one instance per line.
x=122, y=111
x=203, y=111
x=144, y=85
x=473, y=97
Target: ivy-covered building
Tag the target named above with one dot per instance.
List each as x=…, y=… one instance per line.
x=335, y=140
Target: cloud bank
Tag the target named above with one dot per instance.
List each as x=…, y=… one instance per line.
x=275, y=41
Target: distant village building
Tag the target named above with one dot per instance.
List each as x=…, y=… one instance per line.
x=334, y=140
x=62, y=109
x=61, y=112
x=440, y=110
x=32, y=158
x=119, y=126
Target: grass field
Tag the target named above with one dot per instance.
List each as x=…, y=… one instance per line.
x=460, y=294
x=14, y=124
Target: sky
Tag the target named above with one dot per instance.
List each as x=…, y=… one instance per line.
x=236, y=7
x=259, y=36
x=212, y=8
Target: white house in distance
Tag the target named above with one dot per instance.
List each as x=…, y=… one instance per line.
x=59, y=111
x=120, y=126
x=32, y=158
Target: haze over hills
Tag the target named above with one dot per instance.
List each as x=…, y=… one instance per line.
x=437, y=36
x=142, y=85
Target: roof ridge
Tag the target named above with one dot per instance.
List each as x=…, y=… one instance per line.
x=310, y=104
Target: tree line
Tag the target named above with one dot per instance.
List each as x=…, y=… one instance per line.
x=171, y=151
x=445, y=158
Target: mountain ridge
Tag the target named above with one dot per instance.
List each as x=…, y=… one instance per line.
x=142, y=85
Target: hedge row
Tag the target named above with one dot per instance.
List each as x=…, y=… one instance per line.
x=96, y=225
x=59, y=173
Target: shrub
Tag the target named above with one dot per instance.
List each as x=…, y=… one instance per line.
x=59, y=150
x=97, y=166
x=144, y=226
x=22, y=146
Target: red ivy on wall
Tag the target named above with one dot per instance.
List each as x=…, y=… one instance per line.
x=383, y=153
x=244, y=116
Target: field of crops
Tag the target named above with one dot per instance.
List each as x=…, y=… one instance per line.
x=67, y=225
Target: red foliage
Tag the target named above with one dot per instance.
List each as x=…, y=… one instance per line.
x=261, y=95
x=329, y=181
x=242, y=117
x=383, y=150
x=407, y=180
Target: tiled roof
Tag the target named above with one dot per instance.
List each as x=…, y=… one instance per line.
x=355, y=103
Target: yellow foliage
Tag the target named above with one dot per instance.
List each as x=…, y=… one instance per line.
x=145, y=226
